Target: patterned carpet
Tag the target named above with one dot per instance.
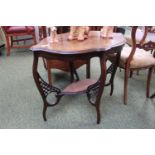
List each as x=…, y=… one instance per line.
x=21, y=105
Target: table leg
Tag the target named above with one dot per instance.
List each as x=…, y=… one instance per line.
x=114, y=72
x=44, y=88
x=44, y=31
x=88, y=69
x=148, y=84
x=96, y=90
x=101, y=85
x=73, y=72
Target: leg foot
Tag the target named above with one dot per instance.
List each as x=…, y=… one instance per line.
x=44, y=112
x=112, y=89
x=98, y=114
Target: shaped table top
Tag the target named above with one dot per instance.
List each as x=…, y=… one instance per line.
x=93, y=43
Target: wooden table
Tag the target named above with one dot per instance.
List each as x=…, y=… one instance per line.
x=94, y=46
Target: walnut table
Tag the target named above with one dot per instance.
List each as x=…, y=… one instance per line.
x=94, y=46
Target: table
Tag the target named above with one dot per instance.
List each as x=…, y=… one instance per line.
x=94, y=46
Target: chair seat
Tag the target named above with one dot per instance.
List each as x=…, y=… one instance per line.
x=20, y=29
x=141, y=58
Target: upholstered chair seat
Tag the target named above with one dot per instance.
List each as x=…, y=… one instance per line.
x=19, y=29
x=141, y=58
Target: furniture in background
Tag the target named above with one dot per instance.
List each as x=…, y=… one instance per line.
x=13, y=32
x=42, y=32
x=2, y=42
x=136, y=57
x=1, y=45
x=71, y=51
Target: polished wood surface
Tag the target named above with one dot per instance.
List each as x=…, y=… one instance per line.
x=93, y=43
x=66, y=67
x=79, y=86
x=71, y=51
x=60, y=64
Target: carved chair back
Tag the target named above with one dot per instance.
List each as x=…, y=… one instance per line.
x=142, y=44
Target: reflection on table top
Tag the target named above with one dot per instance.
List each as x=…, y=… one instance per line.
x=93, y=43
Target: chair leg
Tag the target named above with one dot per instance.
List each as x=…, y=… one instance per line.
x=148, y=82
x=34, y=39
x=126, y=86
x=11, y=41
x=131, y=73
x=8, y=45
x=137, y=72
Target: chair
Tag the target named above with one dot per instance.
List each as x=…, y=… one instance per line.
x=13, y=32
x=65, y=66
x=136, y=57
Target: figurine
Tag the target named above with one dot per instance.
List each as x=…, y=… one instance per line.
x=78, y=32
x=53, y=35
x=107, y=32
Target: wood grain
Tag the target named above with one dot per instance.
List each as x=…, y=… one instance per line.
x=93, y=43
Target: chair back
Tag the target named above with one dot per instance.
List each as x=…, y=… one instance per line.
x=142, y=44
x=147, y=45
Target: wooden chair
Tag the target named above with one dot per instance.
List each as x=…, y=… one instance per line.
x=13, y=32
x=135, y=58
x=66, y=66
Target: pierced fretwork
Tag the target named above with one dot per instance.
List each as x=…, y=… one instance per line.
x=92, y=92
x=111, y=68
x=47, y=89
